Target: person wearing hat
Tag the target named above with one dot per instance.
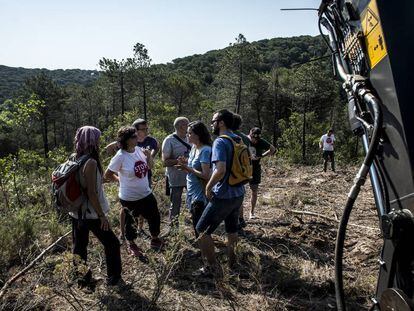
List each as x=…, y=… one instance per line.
x=259, y=148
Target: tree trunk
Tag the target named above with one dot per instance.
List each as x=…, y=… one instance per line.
x=304, y=133
x=275, y=119
x=180, y=103
x=259, y=119
x=54, y=134
x=144, y=98
x=121, y=82
x=113, y=102
x=45, y=132
x=239, y=90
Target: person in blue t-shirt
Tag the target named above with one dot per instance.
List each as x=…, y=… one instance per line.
x=225, y=200
x=198, y=168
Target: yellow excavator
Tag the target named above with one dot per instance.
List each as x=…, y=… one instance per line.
x=371, y=42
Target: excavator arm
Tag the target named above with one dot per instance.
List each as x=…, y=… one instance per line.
x=371, y=42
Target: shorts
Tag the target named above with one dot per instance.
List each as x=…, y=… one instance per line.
x=257, y=174
x=218, y=210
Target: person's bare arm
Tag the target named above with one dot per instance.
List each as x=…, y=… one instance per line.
x=217, y=175
x=271, y=151
x=150, y=160
x=111, y=148
x=205, y=172
x=111, y=176
x=90, y=178
x=166, y=161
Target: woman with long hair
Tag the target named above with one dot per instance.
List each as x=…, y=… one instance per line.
x=95, y=209
x=198, y=168
x=130, y=167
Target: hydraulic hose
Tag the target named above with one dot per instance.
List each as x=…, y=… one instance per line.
x=371, y=100
x=359, y=90
x=332, y=39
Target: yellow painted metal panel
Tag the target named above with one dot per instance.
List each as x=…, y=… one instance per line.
x=374, y=36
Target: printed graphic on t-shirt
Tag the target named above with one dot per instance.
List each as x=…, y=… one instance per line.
x=141, y=169
x=328, y=140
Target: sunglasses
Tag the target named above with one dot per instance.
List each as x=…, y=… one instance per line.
x=213, y=121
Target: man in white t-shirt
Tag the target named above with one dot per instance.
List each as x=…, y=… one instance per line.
x=326, y=144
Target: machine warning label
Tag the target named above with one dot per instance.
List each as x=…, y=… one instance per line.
x=374, y=36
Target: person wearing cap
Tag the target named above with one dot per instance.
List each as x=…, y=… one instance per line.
x=259, y=148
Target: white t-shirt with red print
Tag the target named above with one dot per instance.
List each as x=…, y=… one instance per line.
x=328, y=142
x=132, y=170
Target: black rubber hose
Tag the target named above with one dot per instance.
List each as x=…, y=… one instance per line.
x=323, y=36
x=360, y=179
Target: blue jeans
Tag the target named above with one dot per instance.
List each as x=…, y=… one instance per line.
x=218, y=210
x=175, y=206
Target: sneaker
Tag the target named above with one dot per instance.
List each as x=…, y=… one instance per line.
x=157, y=244
x=118, y=284
x=121, y=239
x=135, y=251
x=252, y=216
x=205, y=272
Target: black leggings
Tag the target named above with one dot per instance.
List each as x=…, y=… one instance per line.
x=147, y=208
x=80, y=235
x=197, y=209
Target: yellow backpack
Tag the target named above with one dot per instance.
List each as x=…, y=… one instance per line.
x=241, y=166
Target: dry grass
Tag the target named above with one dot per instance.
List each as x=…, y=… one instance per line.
x=285, y=259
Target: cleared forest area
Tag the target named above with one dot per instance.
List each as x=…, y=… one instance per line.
x=285, y=256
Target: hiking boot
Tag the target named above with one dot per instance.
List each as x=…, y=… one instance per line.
x=252, y=216
x=205, y=272
x=242, y=223
x=118, y=284
x=157, y=244
x=135, y=251
x=88, y=283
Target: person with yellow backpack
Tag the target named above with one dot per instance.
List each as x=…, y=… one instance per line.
x=224, y=190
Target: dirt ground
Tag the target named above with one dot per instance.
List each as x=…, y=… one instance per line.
x=286, y=257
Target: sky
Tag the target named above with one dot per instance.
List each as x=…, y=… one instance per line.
x=71, y=34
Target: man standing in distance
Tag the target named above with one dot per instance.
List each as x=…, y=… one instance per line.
x=225, y=200
x=327, y=145
x=259, y=149
x=174, y=146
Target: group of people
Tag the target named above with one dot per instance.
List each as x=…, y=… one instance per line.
x=192, y=160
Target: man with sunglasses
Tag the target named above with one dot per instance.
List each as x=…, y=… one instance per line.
x=259, y=148
x=145, y=141
x=225, y=200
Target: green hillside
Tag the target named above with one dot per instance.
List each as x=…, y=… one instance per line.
x=12, y=79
